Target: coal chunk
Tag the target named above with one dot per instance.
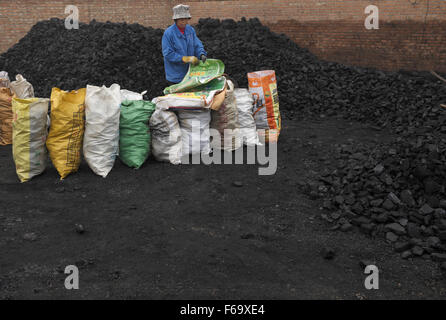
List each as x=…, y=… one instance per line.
x=406, y=254
x=439, y=257
x=417, y=251
x=80, y=229
x=328, y=253
x=237, y=184
x=402, y=246
x=426, y=209
x=346, y=227
x=406, y=197
x=391, y=237
x=396, y=228
x=388, y=204
x=31, y=236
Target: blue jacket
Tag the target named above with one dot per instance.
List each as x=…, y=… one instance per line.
x=175, y=46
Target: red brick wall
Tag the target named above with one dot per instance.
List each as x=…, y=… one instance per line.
x=411, y=35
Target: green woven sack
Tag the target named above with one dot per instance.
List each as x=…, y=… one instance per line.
x=198, y=76
x=134, y=134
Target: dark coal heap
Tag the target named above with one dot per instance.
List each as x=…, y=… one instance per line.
x=96, y=53
x=395, y=191
x=130, y=55
x=308, y=86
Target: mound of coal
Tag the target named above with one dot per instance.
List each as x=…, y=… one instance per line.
x=309, y=86
x=130, y=54
x=397, y=191
x=96, y=53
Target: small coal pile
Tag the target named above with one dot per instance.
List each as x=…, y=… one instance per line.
x=396, y=191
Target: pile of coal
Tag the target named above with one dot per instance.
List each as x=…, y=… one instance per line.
x=396, y=191
x=310, y=86
x=97, y=54
x=130, y=55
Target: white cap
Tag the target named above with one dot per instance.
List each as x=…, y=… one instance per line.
x=181, y=11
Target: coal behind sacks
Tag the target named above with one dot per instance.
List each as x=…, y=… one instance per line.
x=130, y=54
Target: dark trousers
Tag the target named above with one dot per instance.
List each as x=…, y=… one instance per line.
x=168, y=83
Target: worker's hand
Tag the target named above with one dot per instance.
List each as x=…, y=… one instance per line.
x=190, y=59
x=203, y=58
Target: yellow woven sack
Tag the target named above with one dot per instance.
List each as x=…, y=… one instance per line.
x=67, y=128
x=29, y=131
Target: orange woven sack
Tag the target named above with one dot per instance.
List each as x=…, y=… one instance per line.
x=5, y=116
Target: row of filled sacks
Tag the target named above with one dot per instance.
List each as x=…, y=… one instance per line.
x=99, y=122
x=104, y=122
x=179, y=132
x=22, y=89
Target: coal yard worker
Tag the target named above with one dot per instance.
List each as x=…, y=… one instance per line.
x=181, y=46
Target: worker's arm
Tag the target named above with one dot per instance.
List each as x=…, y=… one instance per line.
x=168, y=50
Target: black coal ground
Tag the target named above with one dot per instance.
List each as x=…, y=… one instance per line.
x=188, y=232
x=391, y=188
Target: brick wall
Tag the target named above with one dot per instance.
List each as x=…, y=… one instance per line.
x=411, y=35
